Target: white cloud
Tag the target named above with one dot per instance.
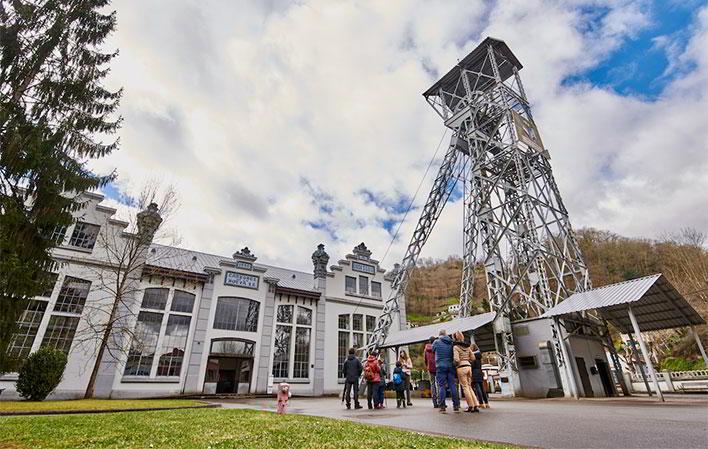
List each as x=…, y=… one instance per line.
x=243, y=105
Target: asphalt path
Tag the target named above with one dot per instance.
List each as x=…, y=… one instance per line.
x=680, y=422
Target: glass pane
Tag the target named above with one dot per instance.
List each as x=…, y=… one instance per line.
x=344, y=321
x=301, y=366
x=51, y=282
x=376, y=289
x=60, y=332
x=358, y=322
x=350, y=284
x=182, y=302
x=285, y=314
x=281, y=355
x=358, y=340
x=212, y=371
x=72, y=295
x=363, y=285
x=173, y=345
x=304, y=316
x=142, y=348
x=342, y=350
x=27, y=327
x=155, y=298
x=370, y=323
x=232, y=347
x=84, y=235
x=239, y=314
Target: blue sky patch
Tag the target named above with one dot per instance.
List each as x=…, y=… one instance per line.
x=111, y=191
x=646, y=63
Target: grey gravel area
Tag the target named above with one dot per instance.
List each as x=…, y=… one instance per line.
x=681, y=422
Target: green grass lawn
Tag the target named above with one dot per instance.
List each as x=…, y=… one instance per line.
x=93, y=404
x=209, y=428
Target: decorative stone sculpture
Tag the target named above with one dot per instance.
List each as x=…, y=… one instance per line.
x=148, y=222
x=319, y=260
x=362, y=251
x=245, y=253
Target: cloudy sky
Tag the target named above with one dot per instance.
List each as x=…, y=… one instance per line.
x=284, y=124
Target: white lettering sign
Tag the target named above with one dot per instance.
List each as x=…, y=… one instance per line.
x=356, y=266
x=241, y=280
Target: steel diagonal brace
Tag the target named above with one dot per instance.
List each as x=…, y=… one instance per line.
x=442, y=188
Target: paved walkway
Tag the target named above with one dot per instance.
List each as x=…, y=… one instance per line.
x=681, y=422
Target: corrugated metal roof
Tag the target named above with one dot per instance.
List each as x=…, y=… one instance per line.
x=181, y=259
x=423, y=333
x=655, y=302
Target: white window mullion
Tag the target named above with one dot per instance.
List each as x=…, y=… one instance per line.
x=158, y=347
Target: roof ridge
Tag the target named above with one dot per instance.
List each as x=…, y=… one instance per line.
x=623, y=282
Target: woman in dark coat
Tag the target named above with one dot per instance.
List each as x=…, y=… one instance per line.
x=478, y=377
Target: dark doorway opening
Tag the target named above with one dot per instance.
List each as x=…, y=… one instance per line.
x=606, y=377
x=230, y=367
x=584, y=377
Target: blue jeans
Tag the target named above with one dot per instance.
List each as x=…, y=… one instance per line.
x=380, y=394
x=445, y=377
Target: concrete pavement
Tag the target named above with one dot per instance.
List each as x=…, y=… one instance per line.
x=681, y=422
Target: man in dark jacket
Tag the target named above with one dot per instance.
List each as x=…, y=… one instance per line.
x=429, y=357
x=445, y=371
x=351, y=371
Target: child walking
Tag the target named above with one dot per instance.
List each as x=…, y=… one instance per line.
x=283, y=396
x=399, y=385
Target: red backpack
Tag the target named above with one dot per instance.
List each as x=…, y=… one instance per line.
x=368, y=372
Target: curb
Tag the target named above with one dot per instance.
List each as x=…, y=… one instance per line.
x=112, y=410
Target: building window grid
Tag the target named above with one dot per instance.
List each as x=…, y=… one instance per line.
x=84, y=235
x=363, y=285
x=297, y=321
x=376, y=289
x=58, y=234
x=60, y=332
x=350, y=284
x=72, y=296
x=356, y=334
x=236, y=314
x=27, y=326
x=172, y=341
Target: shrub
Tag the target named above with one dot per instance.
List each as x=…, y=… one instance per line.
x=41, y=373
x=681, y=364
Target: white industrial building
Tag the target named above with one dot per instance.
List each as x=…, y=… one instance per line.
x=200, y=323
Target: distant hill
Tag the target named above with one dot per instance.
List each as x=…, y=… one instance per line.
x=611, y=258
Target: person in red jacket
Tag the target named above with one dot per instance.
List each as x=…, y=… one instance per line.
x=372, y=375
x=429, y=358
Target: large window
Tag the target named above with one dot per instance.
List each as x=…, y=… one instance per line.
x=291, y=357
x=142, y=349
x=164, y=334
x=364, y=285
x=60, y=332
x=72, y=295
x=27, y=327
x=173, y=345
x=51, y=283
x=236, y=314
x=355, y=330
x=84, y=235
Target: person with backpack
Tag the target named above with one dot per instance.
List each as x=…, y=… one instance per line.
x=429, y=358
x=463, y=357
x=407, y=366
x=399, y=385
x=351, y=371
x=372, y=376
x=445, y=371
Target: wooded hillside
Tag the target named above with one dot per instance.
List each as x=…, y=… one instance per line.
x=682, y=257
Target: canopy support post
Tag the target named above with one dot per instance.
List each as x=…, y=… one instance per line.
x=569, y=371
x=645, y=353
x=700, y=345
x=641, y=368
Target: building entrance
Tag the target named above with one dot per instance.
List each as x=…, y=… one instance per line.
x=230, y=367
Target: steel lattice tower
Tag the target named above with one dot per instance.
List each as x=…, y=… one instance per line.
x=515, y=223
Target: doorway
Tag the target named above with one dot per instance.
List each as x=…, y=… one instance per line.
x=584, y=377
x=229, y=367
x=606, y=377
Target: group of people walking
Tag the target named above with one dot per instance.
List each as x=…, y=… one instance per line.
x=448, y=360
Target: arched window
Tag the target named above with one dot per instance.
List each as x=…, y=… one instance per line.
x=236, y=314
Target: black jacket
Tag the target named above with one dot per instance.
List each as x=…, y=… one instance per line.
x=352, y=368
x=477, y=374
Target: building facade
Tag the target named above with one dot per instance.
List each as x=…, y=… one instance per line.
x=196, y=323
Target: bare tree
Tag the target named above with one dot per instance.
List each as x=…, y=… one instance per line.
x=124, y=254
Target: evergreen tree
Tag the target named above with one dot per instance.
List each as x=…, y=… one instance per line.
x=55, y=116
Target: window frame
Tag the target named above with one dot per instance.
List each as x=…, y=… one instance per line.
x=293, y=326
x=84, y=227
x=241, y=300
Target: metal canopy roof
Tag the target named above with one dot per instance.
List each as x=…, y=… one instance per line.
x=654, y=301
x=481, y=324
x=474, y=61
